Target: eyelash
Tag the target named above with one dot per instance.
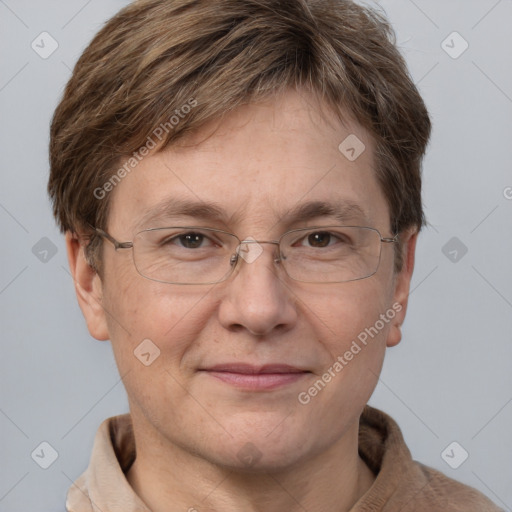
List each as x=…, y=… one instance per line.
x=181, y=236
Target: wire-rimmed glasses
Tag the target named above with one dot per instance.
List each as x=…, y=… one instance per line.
x=203, y=255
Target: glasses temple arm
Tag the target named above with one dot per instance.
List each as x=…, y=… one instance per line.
x=113, y=241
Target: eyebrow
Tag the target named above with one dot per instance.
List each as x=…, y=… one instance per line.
x=342, y=211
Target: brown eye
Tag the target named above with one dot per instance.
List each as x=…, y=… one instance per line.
x=319, y=239
x=191, y=240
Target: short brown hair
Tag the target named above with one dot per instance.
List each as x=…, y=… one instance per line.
x=156, y=55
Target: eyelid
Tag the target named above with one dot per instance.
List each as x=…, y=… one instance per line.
x=208, y=231
x=207, y=235
x=329, y=231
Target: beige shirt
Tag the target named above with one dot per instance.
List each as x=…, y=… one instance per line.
x=401, y=485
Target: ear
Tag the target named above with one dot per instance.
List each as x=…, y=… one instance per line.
x=402, y=283
x=88, y=288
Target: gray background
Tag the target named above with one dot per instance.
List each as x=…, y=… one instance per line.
x=450, y=378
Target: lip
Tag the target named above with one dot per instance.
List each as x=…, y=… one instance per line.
x=263, y=377
x=249, y=369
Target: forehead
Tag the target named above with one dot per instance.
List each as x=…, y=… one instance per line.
x=261, y=166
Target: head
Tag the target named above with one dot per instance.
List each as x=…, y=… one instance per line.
x=243, y=106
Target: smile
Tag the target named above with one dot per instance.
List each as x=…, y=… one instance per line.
x=256, y=378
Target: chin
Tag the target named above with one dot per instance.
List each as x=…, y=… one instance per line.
x=260, y=453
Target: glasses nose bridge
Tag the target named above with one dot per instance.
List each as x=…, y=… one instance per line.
x=275, y=242
x=241, y=243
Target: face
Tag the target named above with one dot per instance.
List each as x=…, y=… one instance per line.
x=257, y=166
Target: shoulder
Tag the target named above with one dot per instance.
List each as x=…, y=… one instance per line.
x=452, y=496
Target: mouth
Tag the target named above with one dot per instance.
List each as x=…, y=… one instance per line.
x=250, y=377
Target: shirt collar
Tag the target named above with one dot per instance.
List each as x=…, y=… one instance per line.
x=103, y=487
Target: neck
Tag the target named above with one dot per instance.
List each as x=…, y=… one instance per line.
x=171, y=479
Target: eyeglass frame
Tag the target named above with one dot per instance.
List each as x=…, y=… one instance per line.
x=235, y=257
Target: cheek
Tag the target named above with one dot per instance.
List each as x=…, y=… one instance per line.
x=353, y=333
x=346, y=313
x=151, y=330
x=138, y=310
x=353, y=336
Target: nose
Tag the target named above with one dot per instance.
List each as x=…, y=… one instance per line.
x=257, y=298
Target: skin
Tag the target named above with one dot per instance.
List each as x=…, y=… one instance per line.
x=260, y=162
